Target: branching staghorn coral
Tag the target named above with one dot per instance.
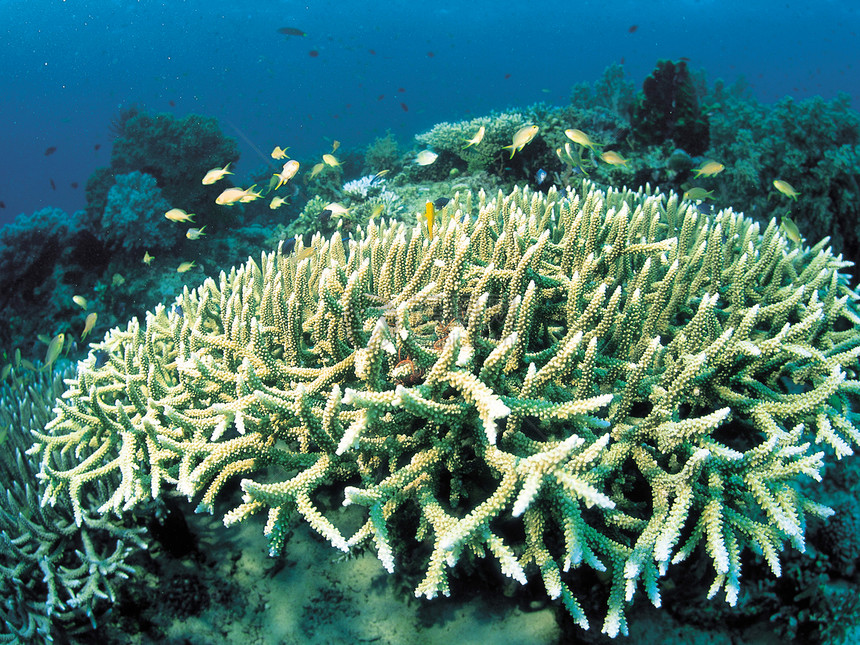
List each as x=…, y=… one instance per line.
x=623, y=377
x=53, y=574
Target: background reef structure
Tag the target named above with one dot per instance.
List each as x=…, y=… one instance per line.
x=563, y=383
x=668, y=110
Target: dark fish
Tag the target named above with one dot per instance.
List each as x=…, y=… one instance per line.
x=101, y=358
x=172, y=103
x=97, y=146
x=289, y=245
x=430, y=54
x=53, y=185
x=372, y=51
x=50, y=151
x=313, y=53
x=401, y=89
x=291, y=31
x=405, y=107
x=177, y=309
x=632, y=29
x=507, y=75
x=325, y=216
x=540, y=176
x=74, y=184
x=2, y=204
x=441, y=203
x=380, y=97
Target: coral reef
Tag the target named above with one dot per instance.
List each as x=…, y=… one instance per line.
x=383, y=153
x=177, y=152
x=449, y=141
x=53, y=574
x=43, y=257
x=566, y=383
x=133, y=218
x=668, y=110
x=814, y=144
x=612, y=91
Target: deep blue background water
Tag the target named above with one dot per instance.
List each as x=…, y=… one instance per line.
x=67, y=66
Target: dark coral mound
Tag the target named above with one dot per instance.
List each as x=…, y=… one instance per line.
x=668, y=109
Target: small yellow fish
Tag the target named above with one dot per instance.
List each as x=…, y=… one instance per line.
x=568, y=150
x=613, y=158
x=279, y=153
x=233, y=195
x=54, y=349
x=147, y=258
x=317, y=169
x=195, y=233
x=377, y=210
x=334, y=146
x=304, y=253
x=785, y=188
x=430, y=214
x=179, y=215
x=336, y=209
x=790, y=229
x=578, y=136
x=698, y=194
x=521, y=138
x=380, y=175
x=89, y=324
x=479, y=136
x=426, y=157
x=80, y=301
x=709, y=169
x=289, y=171
x=185, y=266
x=215, y=174
x=277, y=202
x=331, y=160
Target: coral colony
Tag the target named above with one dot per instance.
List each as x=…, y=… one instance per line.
x=624, y=376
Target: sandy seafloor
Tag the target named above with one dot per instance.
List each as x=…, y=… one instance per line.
x=230, y=591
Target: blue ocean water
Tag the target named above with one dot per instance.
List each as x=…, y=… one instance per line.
x=362, y=68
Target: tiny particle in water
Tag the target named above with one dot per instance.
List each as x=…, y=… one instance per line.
x=313, y=53
x=74, y=184
x=401, y=89
x=405, y=107
x=632, y=28
x=50, y=151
